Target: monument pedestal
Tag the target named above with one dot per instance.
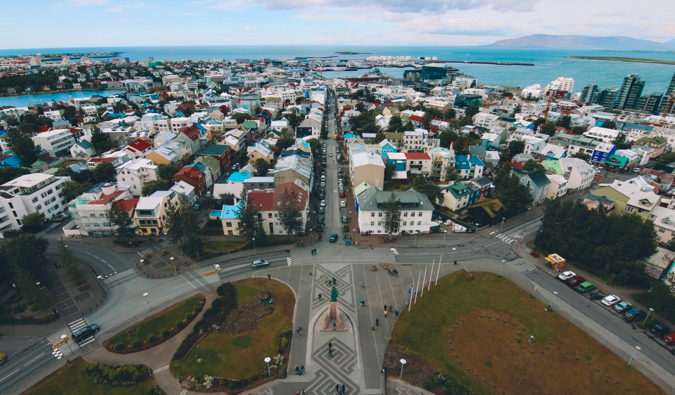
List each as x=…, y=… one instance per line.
x=333, y=322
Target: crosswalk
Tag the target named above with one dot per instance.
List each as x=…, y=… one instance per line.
x=509, y=239
x=78, y=324
x=289, y=261
x=394, y=250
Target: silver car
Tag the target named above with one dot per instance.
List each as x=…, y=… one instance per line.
x=260, y=263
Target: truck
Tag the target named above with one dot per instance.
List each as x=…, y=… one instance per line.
x=555, y=261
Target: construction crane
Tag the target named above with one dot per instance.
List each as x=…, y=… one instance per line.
x=669, y=106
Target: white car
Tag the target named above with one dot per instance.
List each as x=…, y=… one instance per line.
x=343, y=204
x=566, y=275
x=323, y=203
x=323, y=184
x=611, y=300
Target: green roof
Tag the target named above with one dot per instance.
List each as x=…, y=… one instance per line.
x=616, y=160
x=491, y=206
x=553, y=166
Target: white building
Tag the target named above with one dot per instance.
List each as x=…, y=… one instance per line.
x=560, y=84
x=90, y=210
x=602, y=134
x=28, y=194
x=416, y=211
x=57, y=142
x=136, y=173
x=557, y=187
x=485, y=120
x=579, y=173
x=532, y=91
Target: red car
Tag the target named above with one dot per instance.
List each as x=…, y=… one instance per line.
x=670, y=338
x=576, y=280
x=342, y=194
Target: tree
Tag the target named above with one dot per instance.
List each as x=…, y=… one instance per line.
x=666, y=159
x=23, y=146
x=100, y=141
x=226, y=199
x=451, y=173
x=153, y=186
x=565, y=121
x=392, y=214
x=389, y=171
x=240, y=117
x=513, y=195
x=450, y=114
x=395, y=125
x=609, y=125
x=538, y=122
x=183, y=229
x=167, y=171
x=121, y=222
x=207, y=201
x=286, y=139
x=239, y=157
x=73, y=189
x=409, y=127
x=428, y=189
x=621, y=142
x=105, y=172
x=71, y=264
x=294, y=119
x=7, y=174
x=514, y=148
x=290, y=212
x=23, y=255
x=261, y=167
x=582, y=155
x=33, y=223
x=447, y=137
x=471, y=111
x=250, y=225
x=579, y=130
x=548, y=128
x=532, y=165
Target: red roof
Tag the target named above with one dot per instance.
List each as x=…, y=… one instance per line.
x=139, y=145
x=417, y=156
x=192, y=132
x=263, y=200
x=102, y=160
x=191, y=172
x=105, y=199
x=128, y=205
x=42, y=129
x=415, y=118
x=301, y=193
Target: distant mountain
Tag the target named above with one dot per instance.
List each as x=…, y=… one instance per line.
x=585, y=42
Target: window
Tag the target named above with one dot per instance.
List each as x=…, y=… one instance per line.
x=419, y=214
x=269, y=215
x=34, y=200
x=419, y=223
x=412, y=214
x=379, y=214
x=11, y=205
x=405, y=213
x=662, y=230
x=372, y=223
x=38, y=207
x=372, y=213
x=228, y=224
x=405, y=223
x=629, y=209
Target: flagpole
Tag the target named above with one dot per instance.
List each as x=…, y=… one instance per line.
x=424, y=281
x=431, y=274
x=418, y=286
x=439, y=268
x=410, y=293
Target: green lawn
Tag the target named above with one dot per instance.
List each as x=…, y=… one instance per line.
x=73, y=380
x=235, y=356
x=493, y=348
x=155, y=325
x=223, y=245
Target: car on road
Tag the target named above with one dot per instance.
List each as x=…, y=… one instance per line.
x=323, y=184
x=575, y=281
x=260, y=263
x=669, y=338
x=85, y=332
x=343, y=204
x=660, y=329
x=634, y=315
x=322, y=210
x=323, y=203
x=566, y=275
x=345, y=219
x=342, y=193
x=622, y=306
x=330, y=154
x=333, y=238
x=610, y=300
x=585, y=287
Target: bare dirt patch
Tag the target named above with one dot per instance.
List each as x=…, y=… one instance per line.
x=417, y=369
x=245, y=317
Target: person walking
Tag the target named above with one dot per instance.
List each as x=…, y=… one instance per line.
x=303, y=392
x=362, y=302
x=337, y=387
x=330, y=345
x=269, y=277
x=319, y=296
x=343, y=389
x=385, y=314
x=385, y=307
x=396, y=313
x=390, y=308
x=377, y=322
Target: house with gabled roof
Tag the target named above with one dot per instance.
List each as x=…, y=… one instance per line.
x=193, y=177
x=536, y=181
x=138, y=148
x=416, y=211
x=469, y=166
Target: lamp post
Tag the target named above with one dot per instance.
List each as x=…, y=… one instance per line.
x=502, y=268
x=445, y=233
x=354, y=233
x=651, y=310
x=528, y=214
x=64, y=338
x=503, y=219
x=403, y=362
x=637, y=348
x=454, y=250
x=253, y=238
x=267, y=361
x=147, y=300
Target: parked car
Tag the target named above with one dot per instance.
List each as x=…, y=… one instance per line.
x=85, y=332
x=322, y=210
x=637, y=170
x=660, y=329
x=342, y=193
x=323, y=184
x=330, y=154
x=345, y=219
x=322, y=194
x=622, y=306
x=566, y=275
x=260, y=263
x=611, y=300
x=575, y=281
x=323, y=203
x=333, y=238
x=669, y=338
x=343, y=204
x=585, y=287
x=323, y=178
x=634, y=315
x=196, y=206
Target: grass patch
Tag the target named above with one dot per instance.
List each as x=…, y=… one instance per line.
x=488, y=313
x=221, y=354
x=74, y=380
x=223, y=245
x=162, y=325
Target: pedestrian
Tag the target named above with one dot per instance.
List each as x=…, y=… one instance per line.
x=310, y=272
x=390, y=308
x=343, y=389
x=303, y=392
x=297, y=393
x=362, y=302
x=385, y=307
x=319, y=296
x=337, y=387
x=303, y=243
x=296, y=368
x=373, y=328
x=385, y=314
x=330, y=345
x=334, y=281
x=269, y=277
x=377, y=322
x=396, y=313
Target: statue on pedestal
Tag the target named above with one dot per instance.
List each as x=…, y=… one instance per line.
x=333, y=322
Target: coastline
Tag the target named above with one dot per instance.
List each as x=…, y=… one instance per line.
x=63, y=91
x=622, y=59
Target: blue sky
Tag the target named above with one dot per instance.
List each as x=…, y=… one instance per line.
x=101, y=23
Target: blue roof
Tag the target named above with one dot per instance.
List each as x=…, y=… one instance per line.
x=11, y=161
x=229, y=212
x=85, y=144
x=78, y=167
x=215, y=149
x=200, y=127
x=239, y=176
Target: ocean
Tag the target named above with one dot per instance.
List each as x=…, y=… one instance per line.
x=548, y=63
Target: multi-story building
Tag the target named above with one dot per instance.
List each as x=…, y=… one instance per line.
x=137, y=173
x=56, y=142
x=368, y=167
x=670, y=91
x=90, y=210
x=536, y=181
x=416, y=211
x=589, y=93
x=150, y=215
x=418, y=163
x=630, y=92
x=469, y=166
x=441, y=160
x=28, y=194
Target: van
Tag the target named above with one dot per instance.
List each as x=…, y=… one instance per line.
x=85, y=332
x=585, y=287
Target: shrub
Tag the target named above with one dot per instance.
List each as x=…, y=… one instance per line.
x=152, y=339
x=125, y=375
x=118, y=346
x=136, y=344
x=165, y=333
x=180, y=324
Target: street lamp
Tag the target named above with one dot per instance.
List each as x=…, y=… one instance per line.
x=637, y=348
x=502, y=228
x=253, y=238
x=267, y=361
x=528, y=214
x=354, y=230
x=147, y=300
x=403, y=362
x=64, y=338
x=651, y=310
x=454, y=250
x=502, y=268
x=445, y=233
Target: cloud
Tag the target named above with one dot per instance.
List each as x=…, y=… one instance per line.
x=125, y=7
x=87, y=3
x=457, y=26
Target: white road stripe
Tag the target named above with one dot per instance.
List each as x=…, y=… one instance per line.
x=9, y=375
x=33, y=360
x=160, y=369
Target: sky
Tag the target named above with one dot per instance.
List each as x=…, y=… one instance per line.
x=109, y=23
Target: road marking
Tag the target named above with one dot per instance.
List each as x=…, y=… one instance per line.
x=33, y=360
x=163, y=368
x=12, y=374
x=492, y=233
x=184, y=392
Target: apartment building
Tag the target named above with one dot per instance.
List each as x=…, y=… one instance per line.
x=136, y=173
x=57, y=142
x=90, y=210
